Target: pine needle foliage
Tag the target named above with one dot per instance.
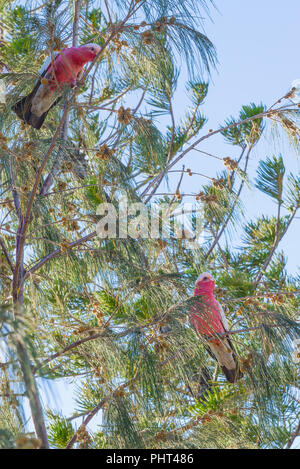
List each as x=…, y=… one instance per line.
x=111, y=314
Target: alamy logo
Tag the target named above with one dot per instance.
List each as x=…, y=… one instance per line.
x=154, y=221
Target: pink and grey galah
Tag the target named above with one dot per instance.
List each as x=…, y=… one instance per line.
x=208, y=318
x=64, y=68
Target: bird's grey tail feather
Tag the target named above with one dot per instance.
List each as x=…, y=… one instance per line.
x=235, y=374
x=22, y=109
x=37, y=121
x=232, y=376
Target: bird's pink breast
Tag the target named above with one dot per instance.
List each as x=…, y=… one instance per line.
x=205, y=316
x=68, y=65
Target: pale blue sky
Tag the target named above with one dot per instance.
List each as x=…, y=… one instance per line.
x=257, y=44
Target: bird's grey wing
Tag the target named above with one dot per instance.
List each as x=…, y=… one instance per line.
x=47, y=64
x=223, y=318
x=231, y=377
x=226, y=326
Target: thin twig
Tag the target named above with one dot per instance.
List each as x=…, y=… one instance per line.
x=293, y=436
x=277, y=240
x=7, y=256
x=156, y=181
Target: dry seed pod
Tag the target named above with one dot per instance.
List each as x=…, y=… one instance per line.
x=124, y=115
x=104, y=153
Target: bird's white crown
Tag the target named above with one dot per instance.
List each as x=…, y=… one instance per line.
x=92, y=46
x=203, y=275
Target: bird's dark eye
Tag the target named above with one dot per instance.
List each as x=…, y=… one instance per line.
x=92, y=49
x=205, y=278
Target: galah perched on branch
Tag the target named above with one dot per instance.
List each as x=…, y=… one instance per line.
x=208, y=318
x=64, y=68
